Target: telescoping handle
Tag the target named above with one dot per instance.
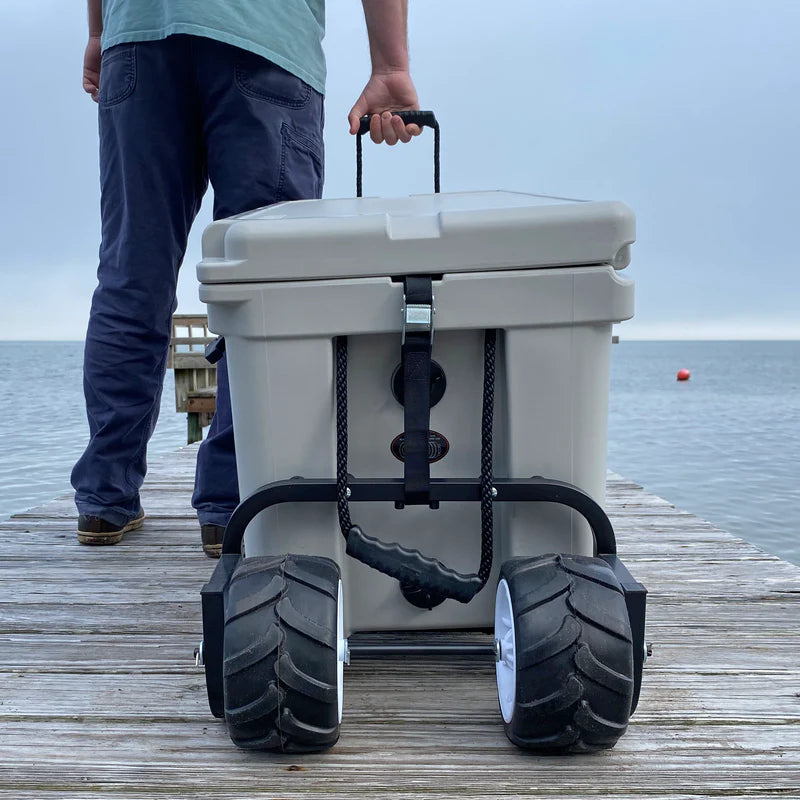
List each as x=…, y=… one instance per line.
x=425, y=119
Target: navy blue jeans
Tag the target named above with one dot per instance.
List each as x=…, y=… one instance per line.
x=174, y=114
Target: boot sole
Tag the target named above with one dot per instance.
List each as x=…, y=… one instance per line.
x=212, y=550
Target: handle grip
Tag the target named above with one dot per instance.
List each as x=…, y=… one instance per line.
x=411, y=567
x=425, y=119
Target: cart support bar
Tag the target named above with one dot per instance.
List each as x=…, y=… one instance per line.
x=323, y=490
x=451, y=649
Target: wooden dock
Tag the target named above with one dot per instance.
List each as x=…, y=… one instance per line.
x=100, y=697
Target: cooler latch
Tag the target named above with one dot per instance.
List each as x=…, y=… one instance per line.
x=417, y=318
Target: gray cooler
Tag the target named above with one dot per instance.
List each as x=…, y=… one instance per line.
x=283, y=283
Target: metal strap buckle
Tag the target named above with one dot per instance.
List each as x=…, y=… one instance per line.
x=417, y=318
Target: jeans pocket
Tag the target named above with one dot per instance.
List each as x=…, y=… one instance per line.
x=302, y=172
x=259, y=78
x=117, y=74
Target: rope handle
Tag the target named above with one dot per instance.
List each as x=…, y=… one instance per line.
x=409, y=566
x=425, y=119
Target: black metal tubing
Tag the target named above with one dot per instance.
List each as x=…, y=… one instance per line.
x=450, y=649
x=323, y=490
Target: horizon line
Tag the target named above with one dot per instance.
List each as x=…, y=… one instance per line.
x=795, y=338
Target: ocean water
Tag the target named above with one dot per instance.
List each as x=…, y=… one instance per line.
x=43, y=427
x=723, y=445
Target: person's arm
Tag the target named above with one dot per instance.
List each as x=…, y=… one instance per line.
x=390, y=87
x=91, y=57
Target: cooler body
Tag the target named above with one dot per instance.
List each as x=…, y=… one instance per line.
x=542, y=271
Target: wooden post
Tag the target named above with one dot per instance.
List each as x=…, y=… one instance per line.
x=194, y=431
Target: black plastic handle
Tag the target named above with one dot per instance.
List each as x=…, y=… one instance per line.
x=425, y=119
x=411, y=567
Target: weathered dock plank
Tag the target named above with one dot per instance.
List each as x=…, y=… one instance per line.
x=99, y=696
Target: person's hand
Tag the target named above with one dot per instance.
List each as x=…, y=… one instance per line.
x=91, y=67
x=386, y=92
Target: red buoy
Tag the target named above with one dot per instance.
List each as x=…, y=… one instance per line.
x=684, y=374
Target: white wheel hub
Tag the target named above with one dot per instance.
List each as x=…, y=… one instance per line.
x=341, y=650
x=505, y=642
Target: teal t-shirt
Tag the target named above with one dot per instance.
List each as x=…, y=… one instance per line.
x=287, y=32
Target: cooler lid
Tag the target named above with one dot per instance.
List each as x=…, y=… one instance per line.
x=436, y=233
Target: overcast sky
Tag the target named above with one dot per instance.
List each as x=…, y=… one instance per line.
x=687, y=110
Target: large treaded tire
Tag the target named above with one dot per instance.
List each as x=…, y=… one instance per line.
x=573, y=653
x=280, y=654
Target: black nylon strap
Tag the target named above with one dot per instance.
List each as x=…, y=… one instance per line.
x=416, y=360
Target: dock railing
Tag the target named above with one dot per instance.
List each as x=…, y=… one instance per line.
x=195, y=378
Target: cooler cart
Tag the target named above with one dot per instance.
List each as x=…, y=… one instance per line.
x=403, y=373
